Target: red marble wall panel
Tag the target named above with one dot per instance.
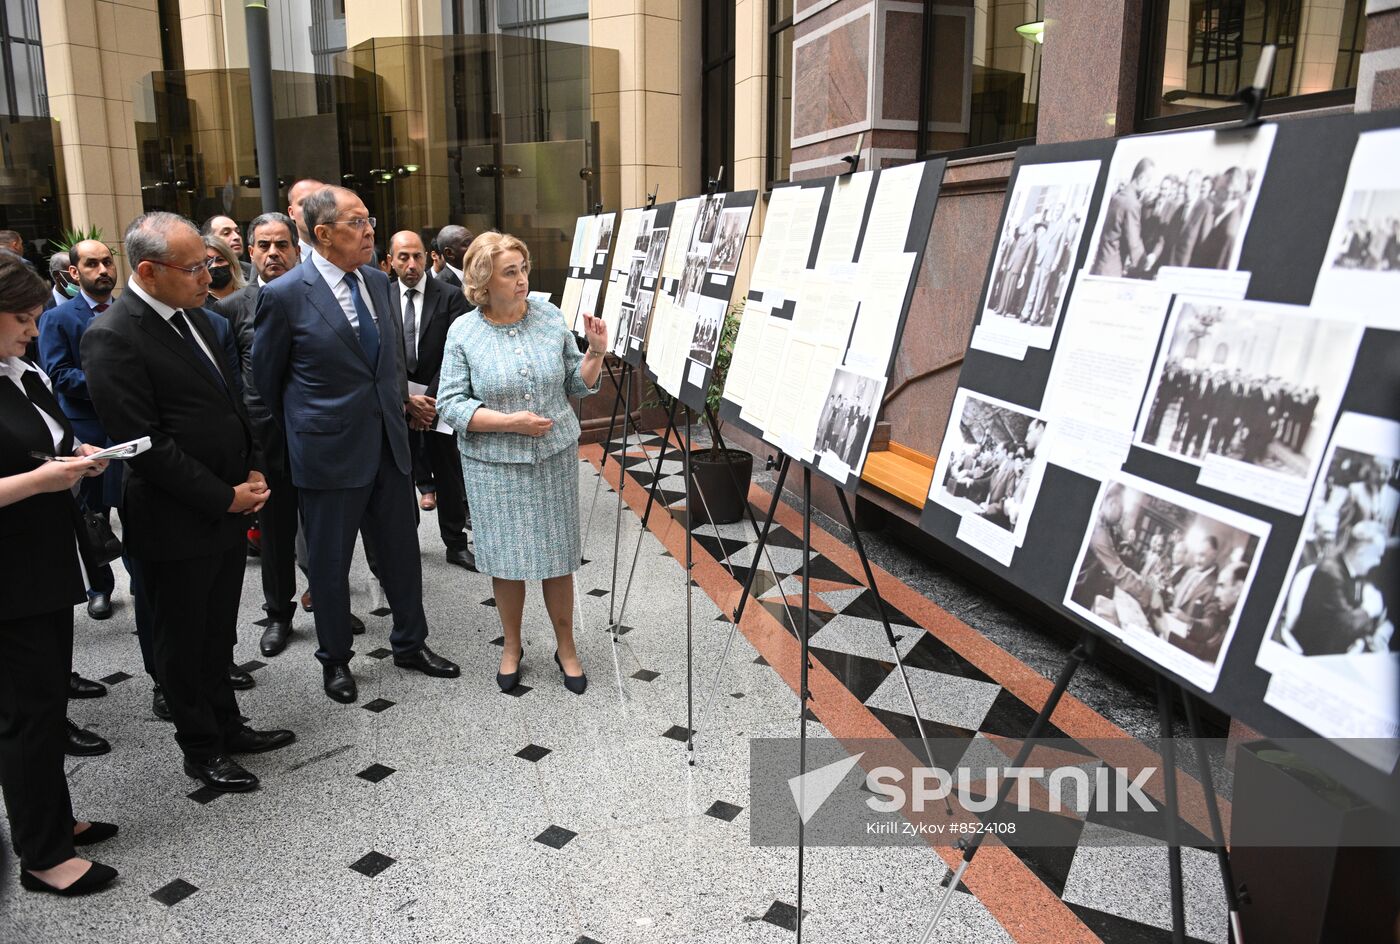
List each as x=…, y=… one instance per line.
x=902, y=37
x=832, y=79
x=1089, y=69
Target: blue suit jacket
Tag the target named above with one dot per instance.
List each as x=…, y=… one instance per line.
x=336, y=407
x=60, y=332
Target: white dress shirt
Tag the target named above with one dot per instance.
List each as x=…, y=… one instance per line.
x=14, y=368
x=335, y=279
x=417, y=312
x=166, y=312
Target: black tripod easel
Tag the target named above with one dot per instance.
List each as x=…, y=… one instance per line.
x=1167, y=691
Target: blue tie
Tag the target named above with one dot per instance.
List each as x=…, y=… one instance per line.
x=369, y=331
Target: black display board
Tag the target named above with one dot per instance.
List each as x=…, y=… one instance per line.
x=635, y=350
x=598, y=267
x=916, y=241
x=1284, y=249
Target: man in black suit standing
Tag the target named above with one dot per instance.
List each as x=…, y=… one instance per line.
x=1341, y=605
x=156, y=367
x=328, y=361
x=426, y=308
x=452, y=243
x=272, y=242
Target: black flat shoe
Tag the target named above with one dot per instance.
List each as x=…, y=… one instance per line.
x=222, y=773
x=574, y=683
x=275, y=637
x=239, y=679
x=79, y=687
x=96, y=878
x=248, y=741
x=158, y=706
x=508, y=680
x=100, y=606
x=428, y=662
x=339, y=683
x=95, y=833
x=83, y=743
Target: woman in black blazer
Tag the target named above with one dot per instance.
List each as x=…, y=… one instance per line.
x=42, y=583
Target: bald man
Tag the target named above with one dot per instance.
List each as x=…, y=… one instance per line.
x=300, y=191
x=427, y=307
x=452, y=243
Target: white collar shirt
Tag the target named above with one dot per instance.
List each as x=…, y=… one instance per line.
x=166, y=313
x=335, y=278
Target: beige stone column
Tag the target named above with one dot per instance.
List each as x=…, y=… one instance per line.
x=96, y=52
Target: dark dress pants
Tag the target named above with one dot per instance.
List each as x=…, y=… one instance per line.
x=278, y=521
x=195, y=607
x=37, y=657
x=332, y=518
x=422, y=466
x=441, y=449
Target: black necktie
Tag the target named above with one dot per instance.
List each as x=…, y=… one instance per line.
x=410, y=331
x=43, y=400
x=182, y=325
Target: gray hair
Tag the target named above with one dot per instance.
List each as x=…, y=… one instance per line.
x=268, y=219
x=319, y=208
x=59, y=262
x=148, y=236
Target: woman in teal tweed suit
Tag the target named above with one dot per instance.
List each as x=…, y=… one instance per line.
x=510, y=366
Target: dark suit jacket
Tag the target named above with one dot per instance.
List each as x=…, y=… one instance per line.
x=438, y=306
x=1218, y=241
x=335, y=407
x=145, y=381
x=60, y=333
x=1120, y=243
x=448, y=277
x=38, y=549
x=1331, y=617
x=240, y=309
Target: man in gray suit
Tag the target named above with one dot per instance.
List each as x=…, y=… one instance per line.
x=328, y=362
x=1121, y=250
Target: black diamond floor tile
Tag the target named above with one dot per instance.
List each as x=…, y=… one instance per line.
x=174, y=892
x=499, y=641
x=380, y=653
x=725, y=811
x=646, y=675
x=114, y=678
x=760, y=661
x=533, y=753
x=205, y=795
x=678, y=732
x=519, y=691
x=862, y=676
x=252, y=665
x=378, y=705
x=585, y=939
x=783, y=915
x=1012, y=718
x=933, y=654
x=381, y=611
x=372, y=863
x=489, y=601
x=374, y=773
x=865, y=607
x=948, y=742
x=556, y=837
x=598, y=592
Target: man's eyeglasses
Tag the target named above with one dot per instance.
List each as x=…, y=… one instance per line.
x=360, y=222
x=189, y=270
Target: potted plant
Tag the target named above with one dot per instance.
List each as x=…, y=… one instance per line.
x=722, y=475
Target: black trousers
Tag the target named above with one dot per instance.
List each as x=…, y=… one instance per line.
x=385, y=510
x=36, y=655
x=438, y=452
x=278, y=521
x=194, y=603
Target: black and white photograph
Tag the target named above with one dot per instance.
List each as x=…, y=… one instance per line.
x=624, y=330
x=1331, y=642
x=1249, y=386
x=1180, y=200
x=1033, y=265
x=644, y=228
x=707, y=223
x=993, y=460
x=634, y=279
x=729, y=240
x=605, y=232
x=656, y=250
x=709, y=322
x=847, y=422
x=588, y=298
x=1362, y=269
x=692, y=279
x=642, y=316
x=1166, y=573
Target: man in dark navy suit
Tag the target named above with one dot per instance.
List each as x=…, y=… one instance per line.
x=328, y=362
x=159, y=365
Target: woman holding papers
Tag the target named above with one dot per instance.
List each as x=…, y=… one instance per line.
x=42, y=582
x=510, y=366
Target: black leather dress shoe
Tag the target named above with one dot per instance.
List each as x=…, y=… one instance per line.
x=462, y=557
x=100, y=606
x=274, y=638
x=96, y=878
x=83, y=743
x=239, y=679
x=221, y=773
x=429, y=663
x=248, y=741
x=95, y=833
x=158, y=706
x=339, y=683
x=357, y=625
x=79, y=687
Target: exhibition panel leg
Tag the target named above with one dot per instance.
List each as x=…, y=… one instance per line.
x=1217, y=829
x=804, y=694
x=1164, y=715
x=656, y=470
x=689, y=596
x=607, y=441
x=625, y=392
x=1077, y=657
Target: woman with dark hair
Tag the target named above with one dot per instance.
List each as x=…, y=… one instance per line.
x=40, y=464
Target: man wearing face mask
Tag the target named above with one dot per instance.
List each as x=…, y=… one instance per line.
x=61, y=288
